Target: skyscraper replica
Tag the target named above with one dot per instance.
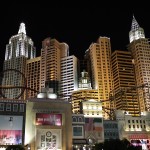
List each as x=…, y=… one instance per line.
x=18, y=51
x=69, y=76
x=99, y=55
x=33, y=77
x=140, y=49
x=124, y=93
x=51, y=53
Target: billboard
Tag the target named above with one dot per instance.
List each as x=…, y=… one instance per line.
x=48, y=119
x=11, y=129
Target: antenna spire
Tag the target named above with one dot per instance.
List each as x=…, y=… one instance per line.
x=22, y=28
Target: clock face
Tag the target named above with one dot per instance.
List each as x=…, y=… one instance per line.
x=48, y=133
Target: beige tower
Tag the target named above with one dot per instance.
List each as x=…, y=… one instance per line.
x=124, y=93
x=33, y=77
x=51, y=54
x=140, y=49
x=99, y=56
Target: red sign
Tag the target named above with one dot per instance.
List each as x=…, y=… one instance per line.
x=138, y=136
x=49, y=119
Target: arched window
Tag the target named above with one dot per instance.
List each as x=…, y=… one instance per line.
x=74, y=119
x=80, y=119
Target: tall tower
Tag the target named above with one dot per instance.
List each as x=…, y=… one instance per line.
x=99, y=56
x=69, y=76
x=140, y=50
x=124, y=93
x=33, y=76
x=51, y=54
x=19, y=49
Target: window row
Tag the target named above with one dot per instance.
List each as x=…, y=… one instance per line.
x=12, y=107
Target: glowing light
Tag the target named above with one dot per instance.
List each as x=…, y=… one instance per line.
x=2, y=148
x=22, y=28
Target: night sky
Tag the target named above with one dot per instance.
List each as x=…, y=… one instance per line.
x=78, y=26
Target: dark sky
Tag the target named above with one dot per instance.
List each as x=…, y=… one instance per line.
x=78, y=26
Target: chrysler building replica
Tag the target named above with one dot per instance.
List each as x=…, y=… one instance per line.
x=140, y=49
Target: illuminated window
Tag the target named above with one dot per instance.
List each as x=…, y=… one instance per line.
x=84, y=81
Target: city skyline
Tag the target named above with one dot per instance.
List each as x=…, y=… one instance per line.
x=76, y=26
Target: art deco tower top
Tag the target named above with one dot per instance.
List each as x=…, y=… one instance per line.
x=135, y=26
x=136, y=31
x=22, y=28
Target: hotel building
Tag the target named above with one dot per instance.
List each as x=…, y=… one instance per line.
x=124, y=93
x=140, y=50
x=99, y=56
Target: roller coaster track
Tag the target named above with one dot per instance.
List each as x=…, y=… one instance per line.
x=23, y=87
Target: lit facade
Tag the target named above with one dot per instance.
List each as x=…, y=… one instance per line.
x=84, y=81
x=69, y=76
x=19, y=49
x=48, y=124
x=124, y=93
x=92, y=108
x=80, y=96
x=78, y=123
x=135, y=129
x=33, y=76
x=12, y=122
x=84, y=93
x=99, y=56
x=136, y=31
x=51, y=53
x=140, y=50
x=94, y=130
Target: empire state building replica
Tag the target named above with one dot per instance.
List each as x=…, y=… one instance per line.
x=18, y=51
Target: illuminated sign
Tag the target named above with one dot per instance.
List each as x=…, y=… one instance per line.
x=48, y=119
x=11, y=130
x=138, y=136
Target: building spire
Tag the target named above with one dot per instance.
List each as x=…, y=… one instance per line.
x=22, y=28
x=136, y=31
x=135, y=26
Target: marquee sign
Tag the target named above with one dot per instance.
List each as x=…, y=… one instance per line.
x=48, y=119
